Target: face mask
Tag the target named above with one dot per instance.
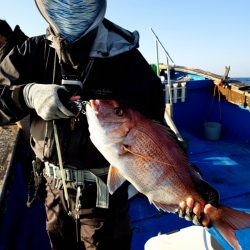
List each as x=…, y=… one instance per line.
x=70, y=19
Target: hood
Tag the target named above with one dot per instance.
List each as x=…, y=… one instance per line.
x=106, y=40
x=112, y=40
x=72, y=19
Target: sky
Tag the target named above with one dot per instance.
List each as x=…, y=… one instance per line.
x=208, y=35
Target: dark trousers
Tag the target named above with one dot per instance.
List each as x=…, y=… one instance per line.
x=100, y=229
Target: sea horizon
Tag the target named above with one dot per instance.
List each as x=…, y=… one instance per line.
x=242, y=79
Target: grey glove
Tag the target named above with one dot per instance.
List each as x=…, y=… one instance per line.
x=47, y=99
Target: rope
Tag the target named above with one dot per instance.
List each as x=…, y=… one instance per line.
x=216, y=89
x=59, y=155
x=58, y=148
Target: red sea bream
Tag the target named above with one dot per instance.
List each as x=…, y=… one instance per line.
x=147, y=154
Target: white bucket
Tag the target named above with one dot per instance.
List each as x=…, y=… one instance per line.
x=212, y=130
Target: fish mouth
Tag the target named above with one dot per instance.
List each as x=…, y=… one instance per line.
x=96, y=104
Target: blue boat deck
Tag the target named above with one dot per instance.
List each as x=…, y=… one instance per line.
x=225, y=165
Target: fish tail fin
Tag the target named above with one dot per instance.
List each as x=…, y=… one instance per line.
x=228, y=221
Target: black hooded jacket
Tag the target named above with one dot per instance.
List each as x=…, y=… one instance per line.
x=17, y=37
x=126, y=77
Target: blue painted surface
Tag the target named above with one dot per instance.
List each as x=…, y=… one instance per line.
x=200, y=106
x=148, y=222
x=191, y=114
x=22, y=228
x=179, y=75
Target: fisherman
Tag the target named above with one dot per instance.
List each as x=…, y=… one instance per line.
x=9, y=38
x=83, y=55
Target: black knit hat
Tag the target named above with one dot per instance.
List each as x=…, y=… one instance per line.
x=5, y=29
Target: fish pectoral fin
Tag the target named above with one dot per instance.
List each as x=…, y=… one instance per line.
x=127, y=149
x=164, y=207
x=115, y=179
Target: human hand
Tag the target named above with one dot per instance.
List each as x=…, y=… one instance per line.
x=49, y=100
x=193, y=211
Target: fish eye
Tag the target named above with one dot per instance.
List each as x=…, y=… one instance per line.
x=119, y=111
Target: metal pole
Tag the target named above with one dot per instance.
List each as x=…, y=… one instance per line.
x=169, y=115
x=170, y=92
x=162, y=45
x=157, y=54
x=169, y=110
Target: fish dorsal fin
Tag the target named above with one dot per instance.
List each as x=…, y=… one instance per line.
x=115, y=179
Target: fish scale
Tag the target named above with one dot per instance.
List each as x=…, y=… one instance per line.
x=164, y=175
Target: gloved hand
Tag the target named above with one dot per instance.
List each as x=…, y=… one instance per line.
x=192, y=211
x=49, y=100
